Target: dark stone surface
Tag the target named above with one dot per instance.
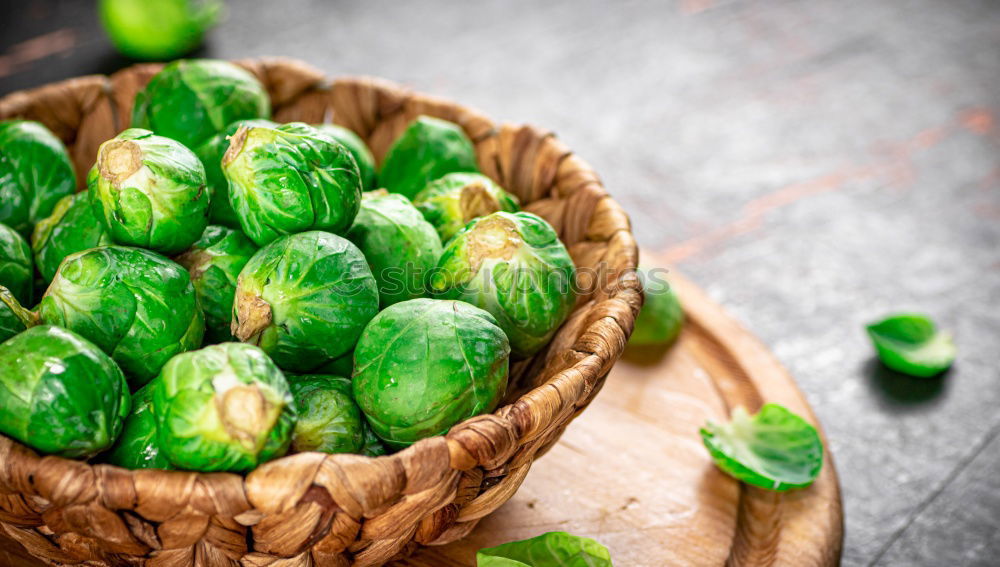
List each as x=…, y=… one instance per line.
x=815, y=165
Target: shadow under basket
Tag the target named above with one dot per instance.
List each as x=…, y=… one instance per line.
x=316, y=509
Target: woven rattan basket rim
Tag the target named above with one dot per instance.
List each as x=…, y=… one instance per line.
x=399, y=498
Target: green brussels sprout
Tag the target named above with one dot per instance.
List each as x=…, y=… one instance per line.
x=290, y=179
x=329, y=419
x=401, y=247
x=372, y=446
x=514, y=266
x=662, y=317
x=225, y=407
x=14, y=319
x=214, y=263
x=59, y=394
x=160, y=30
x=193, y=99
x=138, y=446
x=134, y=304
x=427, y=150
x=423, y=365
x=359, y=151
x=304, y=299
x=210, y=153
x=449, y=203
x=149, y=191
x=343, y=365
x=35, y=172
x=73, y=226
x=16, y=266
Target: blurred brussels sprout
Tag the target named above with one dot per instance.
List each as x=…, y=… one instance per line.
x=214, y=262
x=149, y=191
x=329, y=419
x=157, y=30
x=16, y=267
x=35, y=172
x=449, y=203
x=359, y=151
x=138, y=446
x=134, y=304
x=14, y=319
x=73, y=226
x=225, y=407
x=400, y=246
x=515, y=267
x=289, y=179
x=304, y=299
x=59, y=394
x=423, y=365
x=662, y=317
x=210, y=153
x=193, y=99
x=427, y=150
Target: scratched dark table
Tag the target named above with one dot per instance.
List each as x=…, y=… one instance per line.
x=814, y=165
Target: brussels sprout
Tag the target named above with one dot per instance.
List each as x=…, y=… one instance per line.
x=16, y=267
x=73, y=226
x=401, y=247
x=158, y=30
x=35, y=172
x=13, y=318
x=134, y=304
x=450, y=202
x=59, y=394
x=289, y=179
x=138, y=446
x=423, y=365
x=210, y=153
x=193, y=99
x=372, y=446
x=427, y=150
x=359, y=151
x=329, y=419
x=304, y=299
x=225, y=407
x=513, y=266
x=149, y=191
x=214, y=263
x=662, y=317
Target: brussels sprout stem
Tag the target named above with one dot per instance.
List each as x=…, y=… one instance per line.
x=476, y=201
x=253, y=316
x=235, y=145
x=119, y=160
x=494, y=238
x=243, y=410
x=28, y=318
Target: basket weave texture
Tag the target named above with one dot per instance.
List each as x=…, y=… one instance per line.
x=338, y=510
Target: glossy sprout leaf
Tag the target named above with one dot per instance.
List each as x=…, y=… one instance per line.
x=428, y=149
x=210, y=153
x=190, y=100
x=138, y=446
x=774, y=449
x=149, y=191
x=451, y=202
x=401, y=247
x=290, y=179
x=73, y=226
x=911, y=344
x=214, y=262
x=59, y=394
x=362, y=155
x=17, y=271
x=305, y=299
x=157, y=30
x=329, y=418
x=662, y=317
x=515, y=267
x=35, y=172
x=554, y=549
x=225, y=407
x=134, y=304
x=423, y=365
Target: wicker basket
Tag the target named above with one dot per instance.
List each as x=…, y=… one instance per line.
x=316, y=509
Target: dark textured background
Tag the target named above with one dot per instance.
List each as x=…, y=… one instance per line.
x=814, y=165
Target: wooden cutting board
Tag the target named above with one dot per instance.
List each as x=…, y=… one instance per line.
x=632, y=473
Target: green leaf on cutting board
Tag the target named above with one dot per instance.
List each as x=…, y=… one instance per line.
x=554, y=549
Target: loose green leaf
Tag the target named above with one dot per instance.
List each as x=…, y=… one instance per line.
x=774, y=449
x=911, y=344
x=554, y=549
x=662, y=317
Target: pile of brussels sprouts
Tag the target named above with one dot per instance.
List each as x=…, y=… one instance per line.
x=228, y=289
